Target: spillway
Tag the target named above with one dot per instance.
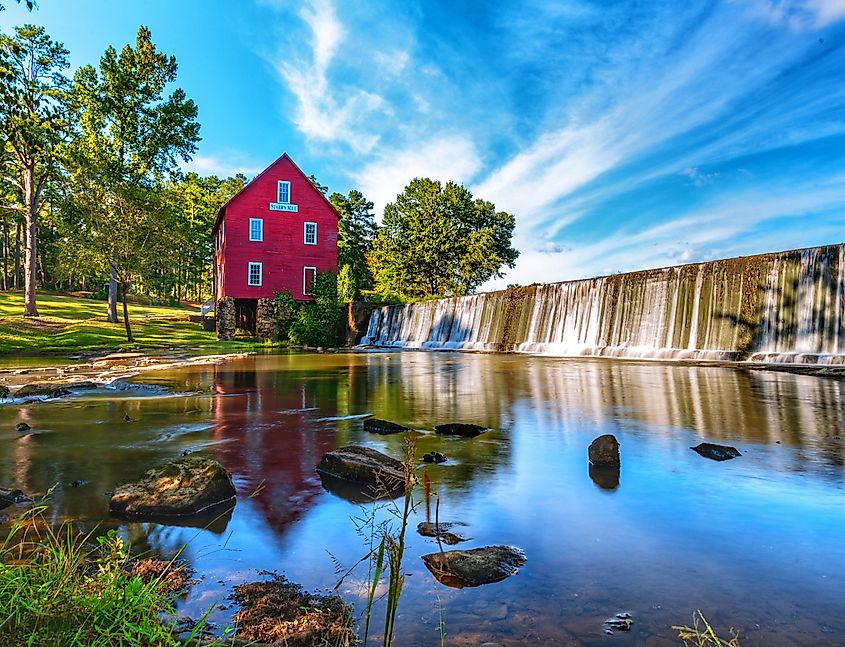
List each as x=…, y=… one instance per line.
x=784, y=307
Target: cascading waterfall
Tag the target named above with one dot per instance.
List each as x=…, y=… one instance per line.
x=784, y=307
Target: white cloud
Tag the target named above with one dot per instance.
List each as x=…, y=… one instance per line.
x=799, y=15
x=446, y=157
x=697, y=177
x=323, y=112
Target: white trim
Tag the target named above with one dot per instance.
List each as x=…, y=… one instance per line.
x=305, y=233
x=279, y=185
x=304, y=284
x=249, y=267
x=260, y=222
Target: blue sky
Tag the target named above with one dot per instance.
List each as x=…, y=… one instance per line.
x=622, y=135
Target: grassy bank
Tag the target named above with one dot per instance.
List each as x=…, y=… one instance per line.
x=70, y=324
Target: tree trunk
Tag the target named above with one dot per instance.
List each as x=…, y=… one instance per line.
x=112, y=318
x=129, y=337
x=30, y=198
x=5, y=254
x=18, y=237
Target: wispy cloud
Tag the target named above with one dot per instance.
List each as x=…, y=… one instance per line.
x=799, y=15
x=325, y=112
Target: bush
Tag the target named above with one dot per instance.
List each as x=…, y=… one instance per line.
x=311, y=324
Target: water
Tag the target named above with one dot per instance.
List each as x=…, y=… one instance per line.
x=755, y=543
x=786, y=307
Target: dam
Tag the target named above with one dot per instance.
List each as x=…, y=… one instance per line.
x=784, y=307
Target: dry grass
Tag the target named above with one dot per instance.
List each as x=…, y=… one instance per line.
x=701, y=634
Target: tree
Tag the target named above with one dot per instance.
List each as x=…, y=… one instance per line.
x=437, y=241
x=131, y=138
x=356, y=232
x=33, y=118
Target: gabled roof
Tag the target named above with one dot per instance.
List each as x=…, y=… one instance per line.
x=222, y=209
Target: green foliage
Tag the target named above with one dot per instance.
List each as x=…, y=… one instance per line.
x=347, y=288
x=60, y=587
x=285, y=308
x=438, y=241
x=316, y=324
x=355, y=235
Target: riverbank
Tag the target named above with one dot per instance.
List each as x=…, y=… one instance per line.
x=69, y=324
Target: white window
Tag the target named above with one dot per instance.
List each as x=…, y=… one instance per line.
x=309, y=277
x=310, y=233
x=254, y=274
x=283, y=192
x=256, y=229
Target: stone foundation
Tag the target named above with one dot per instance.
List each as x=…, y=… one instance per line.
x=265, y=319
x=224, y=312
x=356, y=321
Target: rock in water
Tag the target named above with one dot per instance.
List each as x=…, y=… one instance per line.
x=4, y=392
x=461, y=568
x=183, y=487
x=441, y=531
x=716, y=452
x=22, y=427
x=434, y=457
x=604, y=450
x=11, y=497
x=42, y=389
x=383, y=427
x=605, y=476
x=460, y=429
x=363, y=466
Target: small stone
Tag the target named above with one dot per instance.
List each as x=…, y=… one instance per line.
x=604, y=450
x=434, y=457
x=21, y=427
x=78, y=483
x=461, y=429
x=716, y=452
x=127, y=418
x=383, y=427
x=461, y=568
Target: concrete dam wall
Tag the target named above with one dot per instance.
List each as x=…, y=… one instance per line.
x=786, y=307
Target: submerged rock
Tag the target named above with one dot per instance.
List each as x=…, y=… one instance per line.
x=383, y=427
x=183, y=487
x=52, y=389
x=604, y=450
x=11, y=497
x=434, y=457
x=620, y=622
x=441, y=531
x=716, y=452
x=461, y=568
x=462, y=429
x=363, y=466
x=22, y=427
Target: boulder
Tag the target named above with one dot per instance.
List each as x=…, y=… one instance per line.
x=434, y=457
x=604, y=450
x=22, y=427
x=52, y=389
x=383, y=427
x=461, y=429
x=461, y=568
x=363, y=466
x=441, y=531
x=4, y=391
x=716, y=452
x=183, y=487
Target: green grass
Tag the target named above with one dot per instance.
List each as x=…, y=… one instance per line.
x=65, y=588
x=70, y=324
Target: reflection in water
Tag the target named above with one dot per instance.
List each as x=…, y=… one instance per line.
x=605, y=476
x=674, y=534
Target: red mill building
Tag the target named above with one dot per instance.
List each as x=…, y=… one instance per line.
x=275, y=234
